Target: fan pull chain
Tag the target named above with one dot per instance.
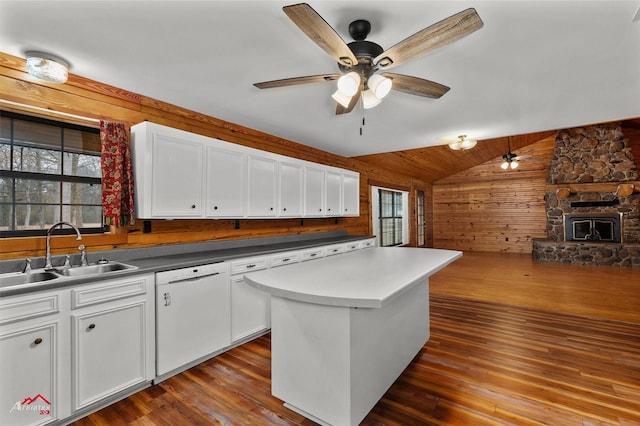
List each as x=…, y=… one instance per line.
x=362, y=109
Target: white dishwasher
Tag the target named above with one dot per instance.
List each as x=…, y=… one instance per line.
x=193, y=318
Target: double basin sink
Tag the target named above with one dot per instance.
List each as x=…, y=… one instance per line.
x=38, y=276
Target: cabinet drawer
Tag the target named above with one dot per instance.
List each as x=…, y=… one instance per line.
x=336, y=249
x=352, y=246
x=249, y=265
x=285, y=259
x=316, y=253
x=368, y=243
x=29, y=308
x=109, y=290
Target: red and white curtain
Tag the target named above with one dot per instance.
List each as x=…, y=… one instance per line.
x=117, y=174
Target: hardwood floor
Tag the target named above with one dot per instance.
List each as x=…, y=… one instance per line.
x=512, y=342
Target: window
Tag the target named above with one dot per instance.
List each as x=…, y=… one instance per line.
x=390, y=216
x=49, y=172
x=420, y=219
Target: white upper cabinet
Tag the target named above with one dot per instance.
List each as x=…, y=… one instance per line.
x=169, y=174
x=262, y=186
x=333, y=184
x=226, y=182
x=290, y=189
x=313, y=191
x=182, y=175
x=351, y=193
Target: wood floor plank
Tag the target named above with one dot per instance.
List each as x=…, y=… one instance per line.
x=495, y=357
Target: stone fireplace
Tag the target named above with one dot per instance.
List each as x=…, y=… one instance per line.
x=592, y=199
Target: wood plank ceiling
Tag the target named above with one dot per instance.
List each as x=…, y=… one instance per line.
x=438, y=162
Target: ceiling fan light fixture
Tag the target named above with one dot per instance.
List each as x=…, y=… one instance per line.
x=342, y=99
x=381, y=86
x=463, y=143
x=504, y=165
x=349, y=83
x=47, y=67
x=513, y=164
x=369, y=99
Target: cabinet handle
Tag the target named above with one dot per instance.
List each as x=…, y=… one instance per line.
x=37, y=341
x=250, y=266
x=91, y=326
x=167, y=299
x=313, y=254
x=286, y=259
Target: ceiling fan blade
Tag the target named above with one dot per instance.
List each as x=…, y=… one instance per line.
x=431, y=38
x=352, y=104
x=321, y=33
x=297, y=80
x=416, y=86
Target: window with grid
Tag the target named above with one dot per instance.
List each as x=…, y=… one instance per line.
x=420, y=218
x=390, y=205
x=49, y=172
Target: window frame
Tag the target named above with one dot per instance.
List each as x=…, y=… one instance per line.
x=59, y=178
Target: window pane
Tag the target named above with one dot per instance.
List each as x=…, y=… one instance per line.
x=79, y=141
x=6, y=213
x=30, y=191
x=83, y=216
x=81, y=165
x=44, y=136
x=81, y=193
x=36, y=216
x=29, y=159
x=6, y=190
x=5, y=143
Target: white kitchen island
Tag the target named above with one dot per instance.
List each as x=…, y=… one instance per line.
x=343, y=328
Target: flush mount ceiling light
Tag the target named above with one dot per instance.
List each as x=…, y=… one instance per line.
x=47, y=67
x=463, y=143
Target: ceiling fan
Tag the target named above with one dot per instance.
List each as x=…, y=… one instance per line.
x=363, y=63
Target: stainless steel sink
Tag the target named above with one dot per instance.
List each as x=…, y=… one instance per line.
x=27, y=278
x=98, y=269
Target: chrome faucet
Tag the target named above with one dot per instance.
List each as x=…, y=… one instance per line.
x=48, y=264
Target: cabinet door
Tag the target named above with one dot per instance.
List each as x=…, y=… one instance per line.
x=313, y=191
x=262, y=187
x=226, y=182
x=28, y=367
x=333, y=193
x=109, y=351
x=351, y=194
x=250, y=311
x=176, y=178
x=290, y=178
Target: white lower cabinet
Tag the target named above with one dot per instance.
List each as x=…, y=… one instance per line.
x=112, y=335
x=108, y=352
x=32, y=354
x=250, y=313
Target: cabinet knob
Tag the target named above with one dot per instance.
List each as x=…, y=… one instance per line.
x=284, y=209
x=37, y=341
x=270, y=208
x=215, y=207
x=193, y=206
x=319, y=210
x=91, y=326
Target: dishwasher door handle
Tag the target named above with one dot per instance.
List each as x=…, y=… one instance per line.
x=184, y=280
x=167, y=299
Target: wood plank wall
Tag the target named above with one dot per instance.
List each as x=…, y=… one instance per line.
x=92, y=99
x=488, y=209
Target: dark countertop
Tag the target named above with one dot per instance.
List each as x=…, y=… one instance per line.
x=164, y=258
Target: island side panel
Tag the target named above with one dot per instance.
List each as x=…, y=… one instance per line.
x=310, y=359
x=332, y=364
x=384, y=341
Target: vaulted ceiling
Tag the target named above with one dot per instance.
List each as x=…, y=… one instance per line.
x=534, y=66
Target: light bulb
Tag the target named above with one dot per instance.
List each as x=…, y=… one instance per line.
x=514, y=164
x=504, y=165
x=341, y=98
x=349, y=83
x=381, y=86
x=369, y=99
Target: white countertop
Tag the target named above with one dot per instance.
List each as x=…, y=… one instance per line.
x=366, y=278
